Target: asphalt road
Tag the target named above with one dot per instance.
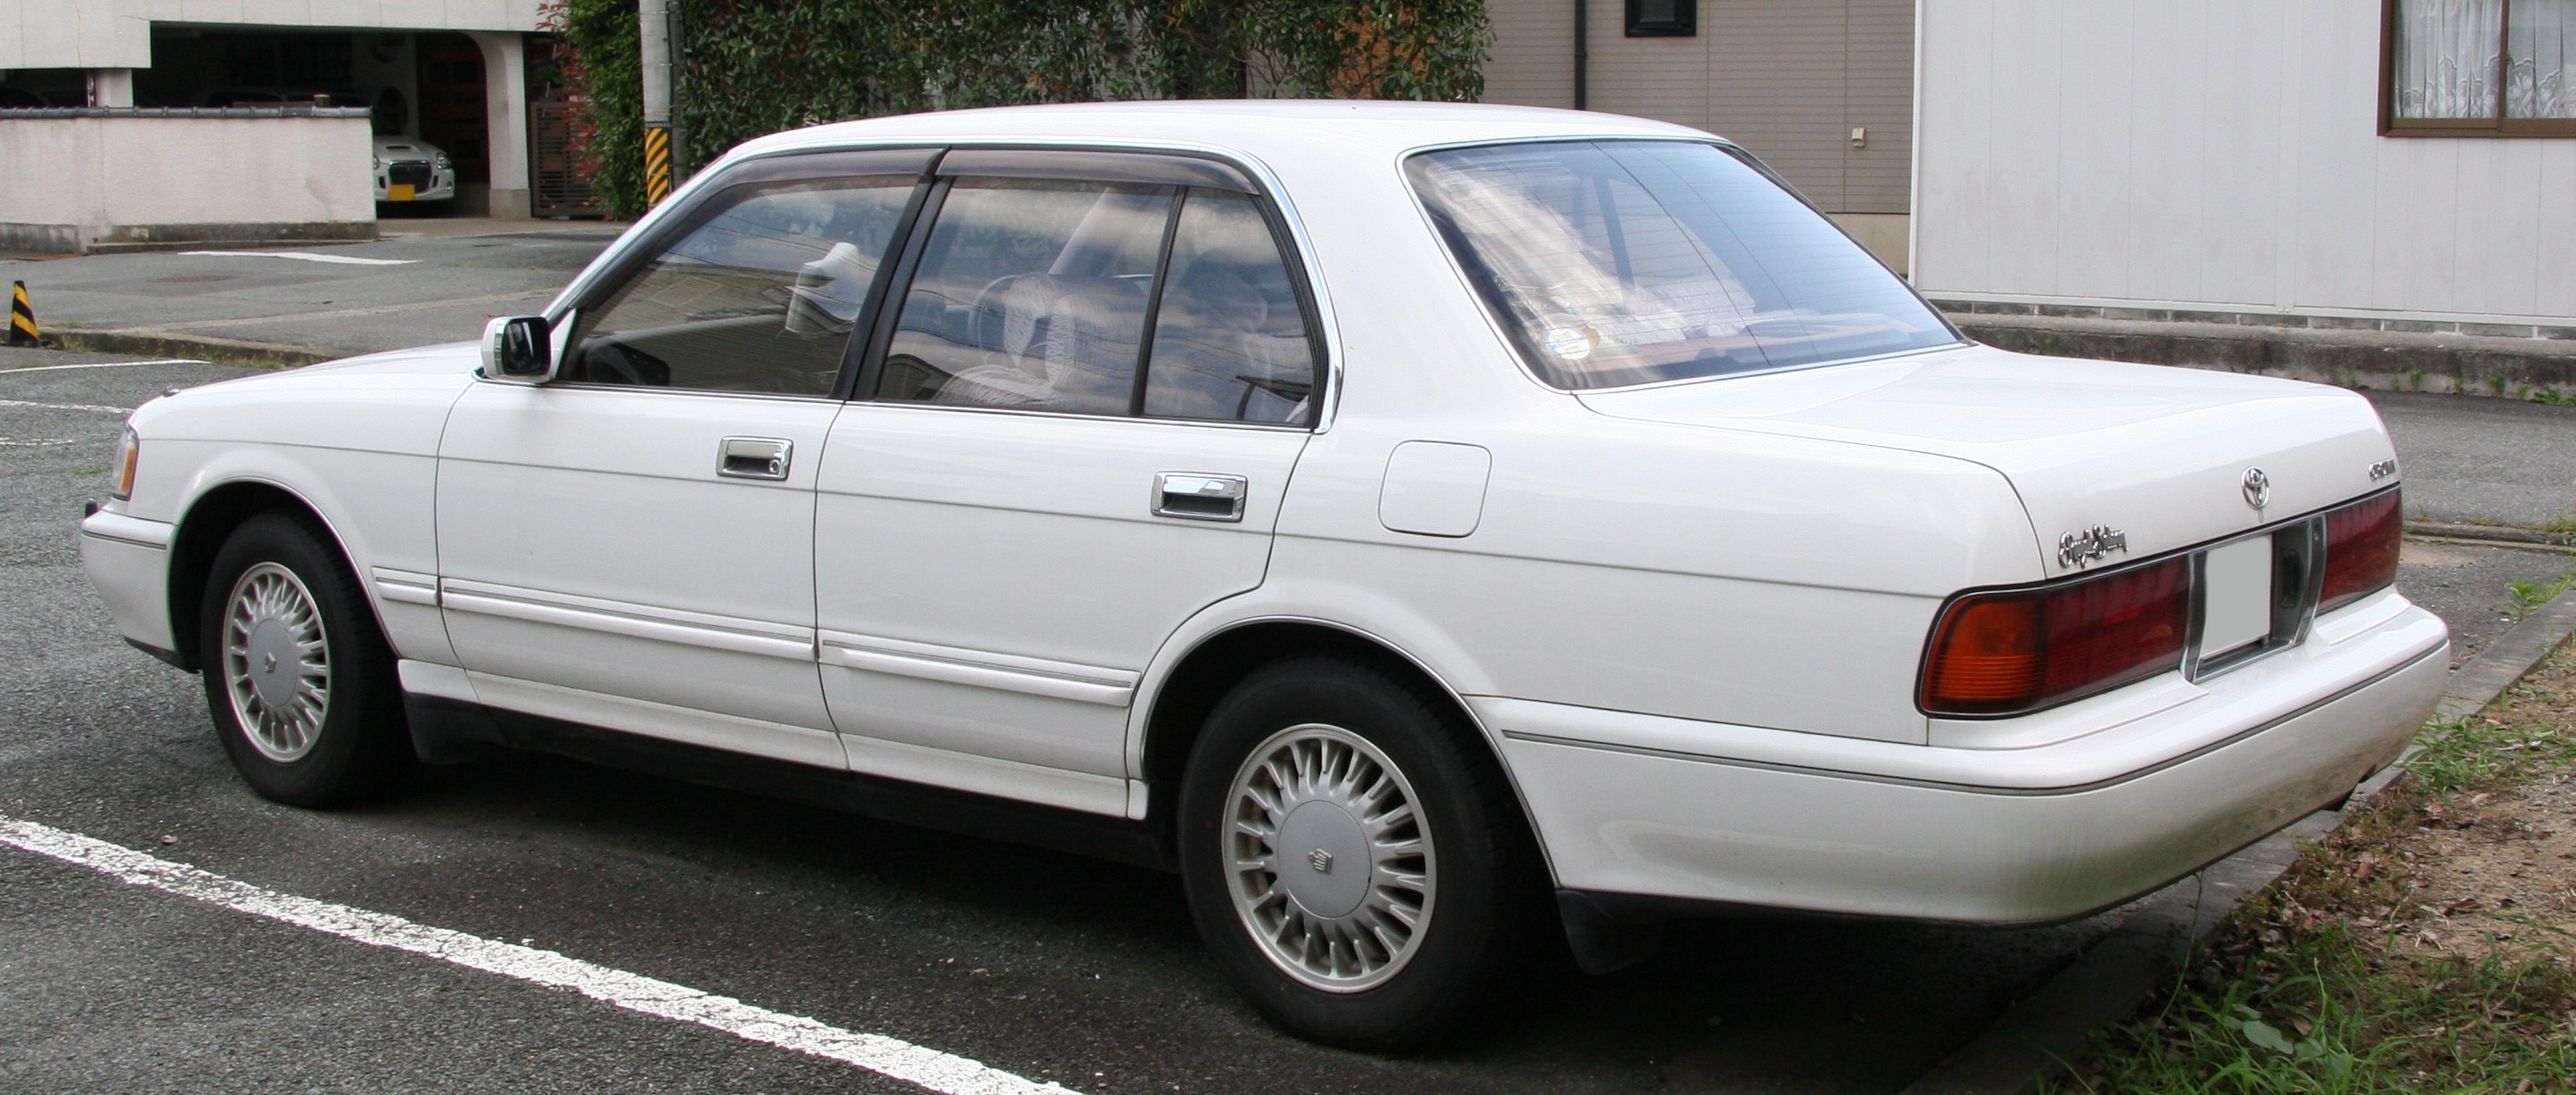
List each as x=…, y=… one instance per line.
x=1049, y=966
x=347, y=299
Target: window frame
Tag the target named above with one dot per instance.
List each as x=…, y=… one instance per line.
x=2390, y=125
x=1184, y=170
x=1683, y=24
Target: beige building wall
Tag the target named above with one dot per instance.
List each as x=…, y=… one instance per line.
x=1787, y=79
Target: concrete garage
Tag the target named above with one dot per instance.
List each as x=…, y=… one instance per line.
x=132, y=123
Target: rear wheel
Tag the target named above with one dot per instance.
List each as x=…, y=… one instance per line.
x=1357, y=867
x=299, y=682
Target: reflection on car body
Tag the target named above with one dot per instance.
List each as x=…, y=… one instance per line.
x=1446, y=535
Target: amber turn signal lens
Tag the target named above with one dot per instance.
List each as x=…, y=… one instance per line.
x=1988, y=653
x=128, y=448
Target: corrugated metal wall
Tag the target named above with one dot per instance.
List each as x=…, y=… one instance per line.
x=1788, y=79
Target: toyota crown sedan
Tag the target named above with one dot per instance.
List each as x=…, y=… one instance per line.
x=1450, y=537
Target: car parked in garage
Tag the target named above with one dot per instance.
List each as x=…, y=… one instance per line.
x=1444, y=534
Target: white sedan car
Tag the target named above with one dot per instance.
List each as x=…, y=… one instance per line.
x=1446, y=535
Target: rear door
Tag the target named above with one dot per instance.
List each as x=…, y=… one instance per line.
x=1074, y=432
x=632, y=545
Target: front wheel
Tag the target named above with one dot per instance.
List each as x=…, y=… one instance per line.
x=1357, y=867
x=300, y=683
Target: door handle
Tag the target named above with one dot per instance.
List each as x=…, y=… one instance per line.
x=753, y=457
x=1198, y=496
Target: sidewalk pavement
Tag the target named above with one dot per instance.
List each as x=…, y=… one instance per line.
x=2476, y=467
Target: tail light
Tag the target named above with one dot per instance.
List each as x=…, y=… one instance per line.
x=2361, y=550
x=2012, y=651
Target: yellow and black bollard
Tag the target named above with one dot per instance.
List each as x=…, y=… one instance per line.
x=657, y=164
x=22, y=317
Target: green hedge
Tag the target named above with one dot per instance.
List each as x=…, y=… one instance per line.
x=748, y=67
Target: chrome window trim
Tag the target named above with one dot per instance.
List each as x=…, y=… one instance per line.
x=1080, y=416
x=1327, y=334
x=1511, y=345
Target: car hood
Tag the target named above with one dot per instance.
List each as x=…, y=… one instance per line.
x=412, y=148
x=2157, y=453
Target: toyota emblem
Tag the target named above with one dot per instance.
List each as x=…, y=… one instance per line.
x=2258, y=488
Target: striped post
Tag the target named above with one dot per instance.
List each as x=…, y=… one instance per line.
x=657, y=164
x=22, y=317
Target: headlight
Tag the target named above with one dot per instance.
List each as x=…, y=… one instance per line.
x=440, y=161
x=128, y=448
x=378, y=161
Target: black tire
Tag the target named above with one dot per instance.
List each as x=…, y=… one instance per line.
x=1487, y=931
x=359, y=744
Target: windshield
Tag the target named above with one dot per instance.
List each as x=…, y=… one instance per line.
x=1627, y=262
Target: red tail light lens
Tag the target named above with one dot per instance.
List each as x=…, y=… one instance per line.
x=2009, y=652
x=2361, y=549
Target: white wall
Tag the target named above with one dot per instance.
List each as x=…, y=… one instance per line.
x=122, y=177
x=118, y=33
x=2219, y=154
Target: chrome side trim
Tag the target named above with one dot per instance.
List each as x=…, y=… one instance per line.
x=954, y=665
x=633, y=621
x=406, y=587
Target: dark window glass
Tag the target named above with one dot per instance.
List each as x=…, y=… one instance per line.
x=1628, y=262
x=760, y=296
x=1662, y=18
x=1030, y=293
x=1230, y=341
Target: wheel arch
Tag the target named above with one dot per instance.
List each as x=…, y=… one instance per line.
x=210, y=520
x=1189, y=691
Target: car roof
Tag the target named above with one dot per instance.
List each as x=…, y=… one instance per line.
x=1268, y=129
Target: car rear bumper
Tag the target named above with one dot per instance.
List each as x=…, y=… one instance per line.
x=1631, y=804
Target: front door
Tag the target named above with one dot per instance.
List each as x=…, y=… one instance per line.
x=1079, y=431
x=632, y=545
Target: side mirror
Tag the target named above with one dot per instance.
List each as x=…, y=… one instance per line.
x=519, y=349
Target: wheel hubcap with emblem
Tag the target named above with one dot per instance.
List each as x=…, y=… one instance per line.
x=276, y=664
x=1330, y=865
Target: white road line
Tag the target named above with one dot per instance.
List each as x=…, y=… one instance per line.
x=308, y=256
x=36, y=443
x=940, y=1072
x=67, y=406
x=107, y=365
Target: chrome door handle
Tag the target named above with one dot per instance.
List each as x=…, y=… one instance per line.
x=1198, y=496
x=753, y=457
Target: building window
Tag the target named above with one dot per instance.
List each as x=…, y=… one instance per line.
x=2478, y=67
x=1663, y=18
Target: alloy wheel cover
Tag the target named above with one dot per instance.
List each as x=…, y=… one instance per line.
x=1327, y=858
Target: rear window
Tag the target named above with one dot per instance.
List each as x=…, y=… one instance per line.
x=1614, y=263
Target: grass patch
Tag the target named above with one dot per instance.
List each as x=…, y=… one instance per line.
x=2423, y=946
x=2523, y=595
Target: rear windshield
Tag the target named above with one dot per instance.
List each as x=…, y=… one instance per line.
x=1628, y=262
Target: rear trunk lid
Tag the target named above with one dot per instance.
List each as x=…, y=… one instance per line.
x=2158, y=455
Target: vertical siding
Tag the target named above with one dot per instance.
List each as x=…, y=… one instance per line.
x=1533, y=57
x=2219, y=153
x=1955, y=170
x=1878, y=65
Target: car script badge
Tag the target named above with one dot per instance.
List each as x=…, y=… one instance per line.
x=2258, y=488
x=2076, y=549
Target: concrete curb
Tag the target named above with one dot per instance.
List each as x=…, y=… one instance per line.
x=226, y=351
x=2496, y=535
x=2052, y=1027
